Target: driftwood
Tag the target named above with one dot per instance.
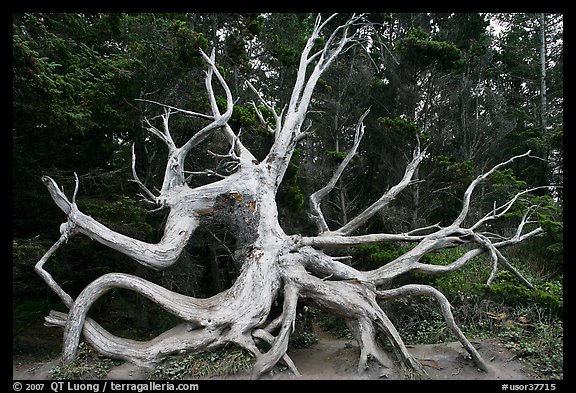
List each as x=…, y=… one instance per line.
x=274, y=265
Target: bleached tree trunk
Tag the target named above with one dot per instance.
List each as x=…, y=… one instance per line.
x=543, y=99
x=274, y=265
x=542, y=35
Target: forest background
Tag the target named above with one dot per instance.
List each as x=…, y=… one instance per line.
x=475, y=94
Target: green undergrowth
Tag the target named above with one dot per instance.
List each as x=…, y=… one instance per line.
x=528, y=321
x=303, y=339
x=225, y=361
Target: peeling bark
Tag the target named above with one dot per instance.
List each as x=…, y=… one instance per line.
x=274, y=265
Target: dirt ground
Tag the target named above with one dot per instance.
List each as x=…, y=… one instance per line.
x=337, y=359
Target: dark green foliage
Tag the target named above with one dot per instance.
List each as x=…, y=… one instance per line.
x=27, y=311
x=303, y=339
x=372, y=256
x=405, y=128
x=75, y=83
x=529, y=322
x=505, y=178
x=547, y=213
x=462, y=170
x=284, y=41
x=333, y=325
x=286, y=55
x=520, y=73
x=25, y=254
x=69, y=107
x=126, y=314
x=338, y=156
x=189, y=44
x=255, y=25
x=290, y=194
x=123, y=214
x=423, y=50
x=551, y=219
x=304, y=334
x=548, y=295
x=419, y=321
x=244, y=117
x=468, y=283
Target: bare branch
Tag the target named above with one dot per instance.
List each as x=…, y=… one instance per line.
x=326, y=267
x=427, y=228
x=153, y=130
x=39, y=268
x=277, y=119
x=219, y=119
x=57, y=195
x=149, y=194
x=76, y=185
x=475, y=182
x=329, y=52
x=163, y=135
x=385, y=199
x=175, y=109
x=316, y=198
x=449, y=237
x=207, y=172
x=290, y=133
x=178, y=228
x=498, y=212
x=331, y=239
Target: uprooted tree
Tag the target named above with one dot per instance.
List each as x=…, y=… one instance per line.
x=275, y=266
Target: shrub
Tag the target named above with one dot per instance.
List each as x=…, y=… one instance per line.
x=226, y=361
